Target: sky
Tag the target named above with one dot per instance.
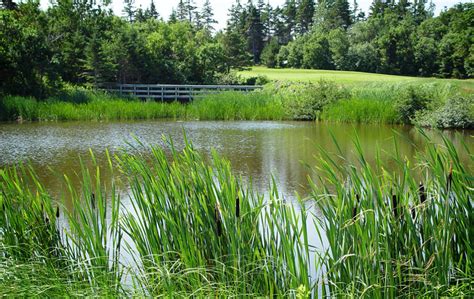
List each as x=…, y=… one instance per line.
x=221, y=7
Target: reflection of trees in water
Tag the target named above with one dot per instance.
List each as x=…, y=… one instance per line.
x=255, y=149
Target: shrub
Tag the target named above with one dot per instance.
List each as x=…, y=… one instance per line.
x=410, y=102
x=457, y=112
x=305, y=101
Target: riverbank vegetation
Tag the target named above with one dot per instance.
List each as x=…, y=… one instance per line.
x=436, y=104
x=191, y=228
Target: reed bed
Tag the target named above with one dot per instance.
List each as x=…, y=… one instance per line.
x=402, y=102
x=192, y=228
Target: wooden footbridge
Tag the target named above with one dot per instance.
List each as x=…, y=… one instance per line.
x=170, y=92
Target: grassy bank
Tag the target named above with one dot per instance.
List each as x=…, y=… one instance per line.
x=352, y=79
x=429, y=104
x=194, y=229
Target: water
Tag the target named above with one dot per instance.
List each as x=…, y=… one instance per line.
x=256, y=150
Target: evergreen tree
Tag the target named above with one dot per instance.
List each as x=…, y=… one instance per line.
x=151, y=12
x=304, y=16
x=129, y=10
x=289, y=11
x=255, y=32
x=9, y=4
x=207, y=16
x=378, y=7
x=191, y=10
x=182, y=11
x=343, y=13
x=173, y=18
x=279, y=26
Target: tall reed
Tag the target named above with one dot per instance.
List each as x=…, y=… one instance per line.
x=390, y=235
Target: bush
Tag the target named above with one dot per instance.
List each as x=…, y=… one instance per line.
x=410, y=102
x=305, y=101
x=457, y=112
x=235, y=79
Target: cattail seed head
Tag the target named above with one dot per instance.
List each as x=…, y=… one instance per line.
x=422, y=193
x=93, y=200
x=57, y=212
x=449, y=179
x=395, y=205
x=354, y=210
x=218, y=220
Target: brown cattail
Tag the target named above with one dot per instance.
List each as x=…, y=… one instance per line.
x=93, y=200
x=237, y=206
x=449, y=179
x=218, y=220
x=57, y=212
x=422, y=193
x=354, y=210
x=394, y=205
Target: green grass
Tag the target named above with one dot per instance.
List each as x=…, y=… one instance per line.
x=324, y=100
x=225, y=106
x=352, y=78
x=195, y=229
x=361, y=111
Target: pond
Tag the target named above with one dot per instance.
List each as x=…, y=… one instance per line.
x=256, y=150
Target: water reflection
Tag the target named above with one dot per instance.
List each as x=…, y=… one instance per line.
x=255, y=149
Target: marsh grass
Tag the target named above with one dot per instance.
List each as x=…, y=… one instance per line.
x=380, y=102
x=195, y=229
x=390, y=235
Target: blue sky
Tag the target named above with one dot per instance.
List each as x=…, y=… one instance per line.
x=221, y=7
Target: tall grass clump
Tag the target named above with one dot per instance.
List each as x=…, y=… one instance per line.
x=361, y=111
x=237, y=106
x=191, y=228
x=391, y=235
x=84, y=253
x=198, y=230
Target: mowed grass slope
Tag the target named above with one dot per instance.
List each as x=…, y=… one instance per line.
x=350, y=78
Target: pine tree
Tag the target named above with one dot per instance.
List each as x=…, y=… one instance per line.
x=289, y=11
x=279, y=26
x=151, y=12
x=191, y=10
x=304, y=16
x=173, y=17
x=129, y=10
x=343, y=13
x=255, y=32
x=267, y=21
x=207, y=16
x=378, y=7
x=181, y=11
x=9, y=4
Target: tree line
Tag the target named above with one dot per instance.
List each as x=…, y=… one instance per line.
x=83, y=42
x=397, y=37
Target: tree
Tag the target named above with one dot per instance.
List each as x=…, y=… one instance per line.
x=129, y=10
x=270, y=53
x=235, y=50
x=304, y=16
x=9, y=5
x=378, y=7
x=151, y=12
x=255, y=33
x=289, y=11
x=343, y=13
x=182, y=11
x=207, y=16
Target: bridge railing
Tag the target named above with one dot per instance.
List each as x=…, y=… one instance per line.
x=173, y=92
